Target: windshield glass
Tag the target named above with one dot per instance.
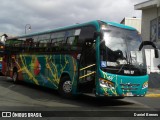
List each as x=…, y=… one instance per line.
x=120, y=52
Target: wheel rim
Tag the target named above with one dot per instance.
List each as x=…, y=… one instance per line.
x=14, y=77
x=67, y=86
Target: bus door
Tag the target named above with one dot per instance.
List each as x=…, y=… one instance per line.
x=87, y=68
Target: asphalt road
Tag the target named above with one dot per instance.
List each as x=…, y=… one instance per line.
x=27, y=97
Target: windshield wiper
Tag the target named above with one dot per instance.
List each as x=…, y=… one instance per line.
x=124, y=64
x=130, y=59
x=121, y=68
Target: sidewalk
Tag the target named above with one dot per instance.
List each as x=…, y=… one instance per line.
x=153, y=92
x=154, y=85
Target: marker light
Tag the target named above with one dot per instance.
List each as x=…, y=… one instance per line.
x=1, y=47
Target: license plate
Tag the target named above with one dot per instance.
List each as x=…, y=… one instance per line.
x=129, y=94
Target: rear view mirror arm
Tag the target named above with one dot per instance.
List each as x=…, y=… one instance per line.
x=144, y=43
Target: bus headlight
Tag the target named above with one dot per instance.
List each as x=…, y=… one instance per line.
x=145, y=85
x=105, y=83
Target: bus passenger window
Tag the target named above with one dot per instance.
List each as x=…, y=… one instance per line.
x=70, y=40
x=36, y=44
x=76, y=40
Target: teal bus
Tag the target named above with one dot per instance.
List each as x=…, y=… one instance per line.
x=101, y=58
x=1, y=56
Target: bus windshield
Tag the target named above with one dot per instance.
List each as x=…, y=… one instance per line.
x=120, y=52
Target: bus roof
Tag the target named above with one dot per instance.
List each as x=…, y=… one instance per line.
x=94, y=23
x=120, y=25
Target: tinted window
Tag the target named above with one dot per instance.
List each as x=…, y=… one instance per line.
x=87, y=34
x=72, y=40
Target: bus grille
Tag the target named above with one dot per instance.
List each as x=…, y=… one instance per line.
x=129, y=86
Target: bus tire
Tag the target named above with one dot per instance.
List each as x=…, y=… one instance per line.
x=65, y=87
x=15, y=76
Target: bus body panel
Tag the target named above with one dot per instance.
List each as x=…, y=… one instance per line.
x=46, y=70
x=124, y=85
x=0, y=67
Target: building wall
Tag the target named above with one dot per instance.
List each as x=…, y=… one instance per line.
x=147, y=16
x=151, y=61
x=149, y=13
x=134, y=22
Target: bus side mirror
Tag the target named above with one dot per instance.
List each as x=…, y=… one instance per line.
x=156, y=53
x=144, y=43
x=158, y=66
x=98, y=34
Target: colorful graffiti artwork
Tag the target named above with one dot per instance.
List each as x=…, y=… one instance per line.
x=37, y=67
x=46, y=70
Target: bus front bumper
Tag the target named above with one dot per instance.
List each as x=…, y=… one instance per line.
x=118, y=85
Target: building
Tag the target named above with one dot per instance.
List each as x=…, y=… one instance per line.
x=150, y=20
x=133, y=22
x=151, y=32
x=9, y=35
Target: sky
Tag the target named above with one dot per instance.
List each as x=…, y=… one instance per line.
x=50, y=14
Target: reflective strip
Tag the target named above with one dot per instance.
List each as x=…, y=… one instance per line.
x=87, y=67
x=87, y=75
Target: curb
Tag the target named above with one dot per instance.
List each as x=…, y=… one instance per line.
x=152, y=95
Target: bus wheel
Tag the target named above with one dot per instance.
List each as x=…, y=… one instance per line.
x=15, y=77
x=65, y=87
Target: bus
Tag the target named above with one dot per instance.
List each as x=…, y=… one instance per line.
x=100, y=58
x=1, y=56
